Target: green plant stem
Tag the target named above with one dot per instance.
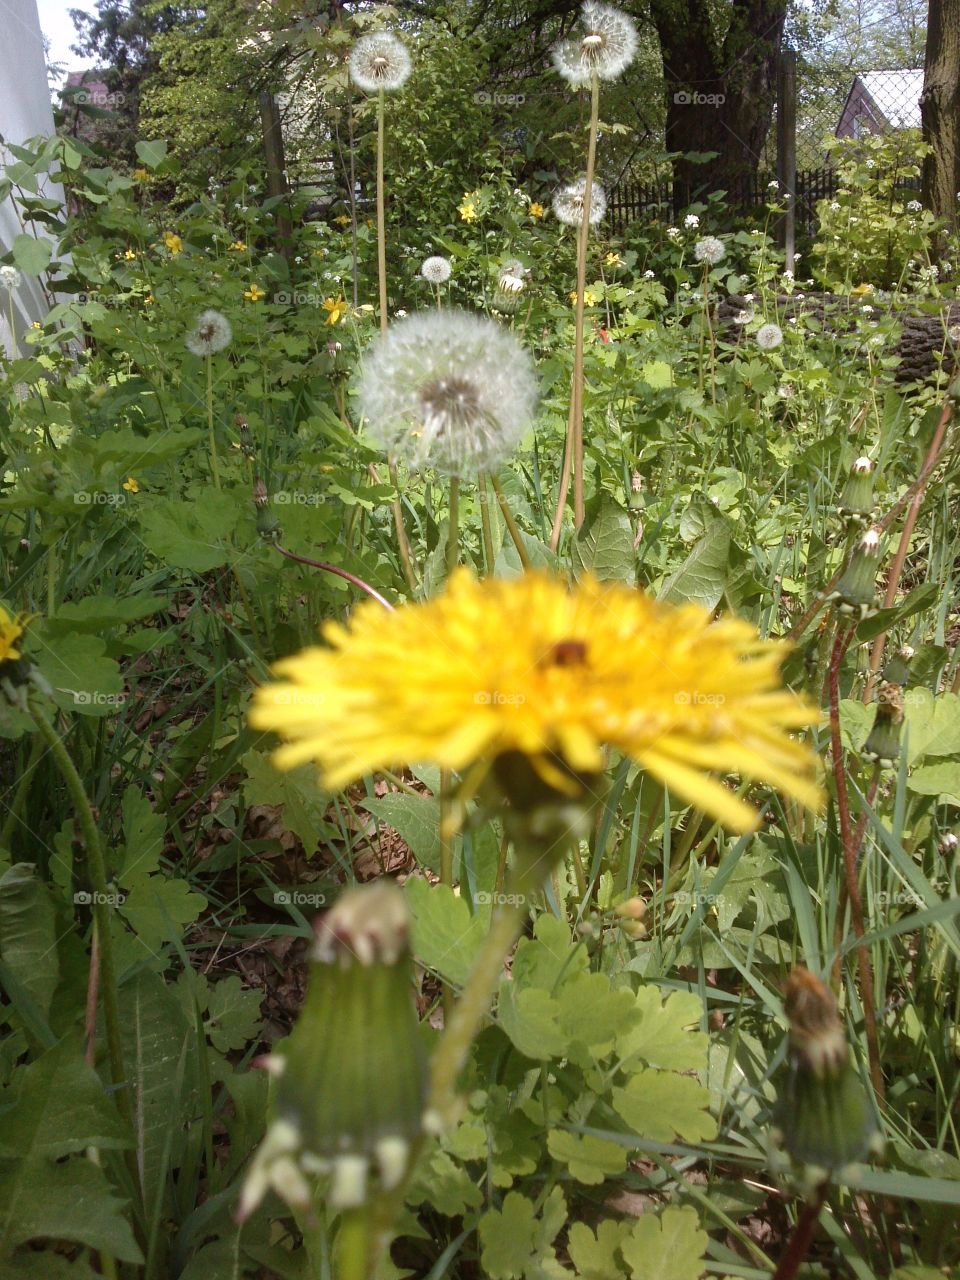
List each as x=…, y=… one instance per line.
x=381, y=212
x=584, y=236
x=453, y=526
x=23, y=787
x=486, y=525
x=564, y=489
x=403, y=544
x=52, y=579
x=97, y=871
x=510, y=523
x=211, y=433
x=353, y=1247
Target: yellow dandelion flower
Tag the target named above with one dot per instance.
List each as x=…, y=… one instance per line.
x=238, y=246
x=254, y=293
x=131, y=485
x=467, y=211
x=335, y=308
x=600, y=666
x=141, y=175
x=173, y=242
x=536, y=209
x=12, y=627
x=129, y=255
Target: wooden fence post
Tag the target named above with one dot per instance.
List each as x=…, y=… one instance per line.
x=787, y=151
x=276, y=168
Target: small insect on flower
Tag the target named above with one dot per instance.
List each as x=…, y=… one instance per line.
x=604, y=47
x=448, y=390
x=379, y=62
x=436, y=270
x=568, y=203
x=211, y=334
x=10, y=278
x=769, y=337
x=709, y=250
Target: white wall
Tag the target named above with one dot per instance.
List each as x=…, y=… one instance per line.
x=25, y=111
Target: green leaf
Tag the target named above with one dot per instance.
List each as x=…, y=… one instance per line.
x=446, y=937
x=157, y=907
x=296, y=792
x=416, y=819
x=662, y=1105
x=151, y=152
x=72, y=1201
x=941, y=780
x=666, y=1246
x=233, y=1014
x=26, y=1264
x=531, y=1018
x=28, y=933
x=134, y=451
x=592, y=1011
x=97, y=613
x=191, y=535
x=595, y=1256
x=657, y=374
x=144, y=833
x=589, y=1159
x=444, y=1186
x=507, y=1238
x=31, y=255
x=604, y=545
x=83, y=678
x=702, y=576
x=662, y=1037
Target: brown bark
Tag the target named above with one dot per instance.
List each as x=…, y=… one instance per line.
x=940, y=110
x=720, y=92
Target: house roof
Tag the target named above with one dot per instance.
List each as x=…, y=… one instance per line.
x=896, y=95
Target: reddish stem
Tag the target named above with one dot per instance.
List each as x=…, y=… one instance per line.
x=341, y=573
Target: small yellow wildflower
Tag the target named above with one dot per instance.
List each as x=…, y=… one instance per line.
x=536, y=209
x=861, y=289
x=238, y=246
x=343, y=220
x=590, y=299
x=468, y=211
x=11, y=629
x=173, y=242
x=254, y=293
x=141, y=175
x=613, y=260
x=129, y=255
x=131, y=485
x=587, y=669
x=36, y=325
x=148, y=300
x=336, y=309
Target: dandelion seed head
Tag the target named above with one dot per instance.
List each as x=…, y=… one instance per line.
x=210, y=334
x=605, y=48
x=568, y=203
x=769, y=337
x=10, y=278
x=512, y=277
x=448, y=390
x=436, y=270
x=710, y=250
x=379, y=61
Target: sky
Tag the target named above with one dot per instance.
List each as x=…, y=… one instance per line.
x=56, y=25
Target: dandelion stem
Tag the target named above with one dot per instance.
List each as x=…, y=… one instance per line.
x=340, y=573
x=511, y=523
x=453, y=526
x=381, y=215
x=483, y=493
x=802, y=1235
x=353, y=1246
x=214, y=464
x=564, y=482
x=584, y=236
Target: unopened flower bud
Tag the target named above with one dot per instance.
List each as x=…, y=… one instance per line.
x=543, y=815
x=883, y=743
x=856, y=592
x=897, y=670
x=856, y=503
x=349, y=1099
x=823, y=1115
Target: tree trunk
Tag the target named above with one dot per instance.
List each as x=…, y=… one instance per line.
x=940, y=110
x=719, y=93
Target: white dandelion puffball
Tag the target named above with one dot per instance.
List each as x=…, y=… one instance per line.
x=769, y=336
x=10, y=278
x=436, y=270
x=379, y=61
x=605, y=48
x=512, y=277
x=709, y=250
x=448, y=390
x=568, y=203
x=210, y=334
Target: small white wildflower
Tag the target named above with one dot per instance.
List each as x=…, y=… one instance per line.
x=867, y=309
x=400, y=313
x=210, y=334
x=448, y=390
x=673, y=233
x=691, y=221
x=769, y=336
x=379, y=61
x=953, y=333
x=787, y=275
x=568, y=203
x=835, y=205
x=914, y=206
x=773, y=186
x=10, y=278
x=871, y=164
x=605, y=48
x=649, y=275
x=436, y=270
x=685, y=284
x=930, y=273
x=749, y=297
x=709, y=250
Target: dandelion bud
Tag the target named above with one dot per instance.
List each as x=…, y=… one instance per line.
x=349, y=1098
x=897, y=670
x=823, y=1114
x=247, y=446
x=635, y=497
x=549, y=805
x=856, y=501
x=856, y=592
x=511, y=282
x=882, y=746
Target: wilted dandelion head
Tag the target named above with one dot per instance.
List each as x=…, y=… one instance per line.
x=379, y=61
x=448, y=390
x=436, y=270
x=568, y=203
x=769, y=336
x=604, y=47
x=210, y=334
x=709, y=250
x=512, y=277
x=10, y=277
